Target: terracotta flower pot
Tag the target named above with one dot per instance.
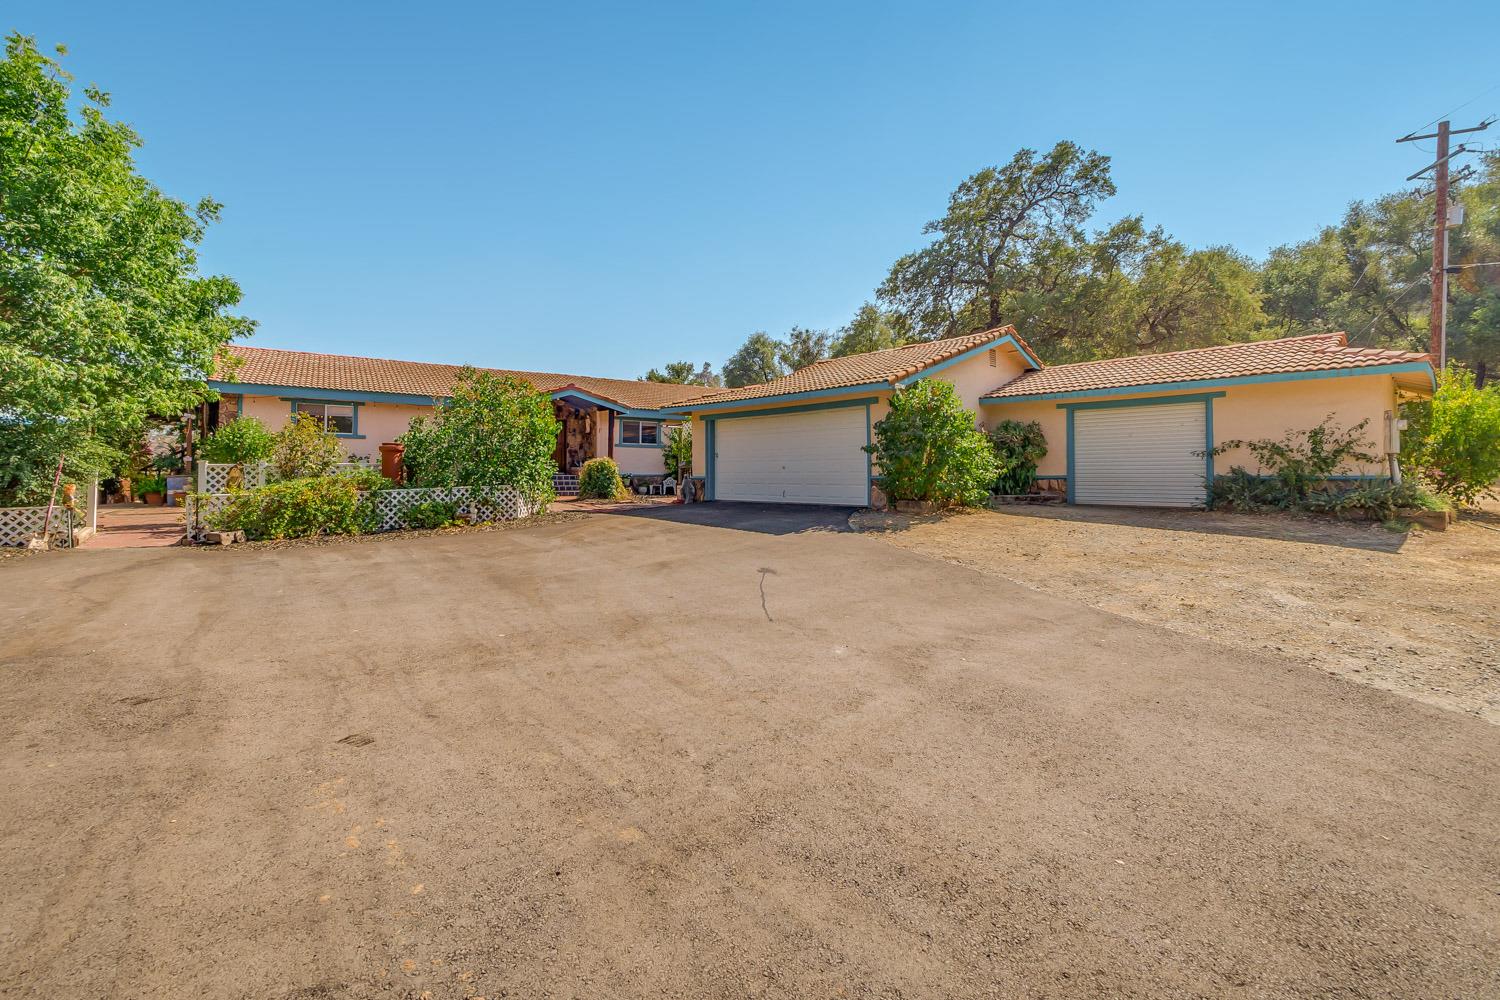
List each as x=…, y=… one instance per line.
x=153, y=499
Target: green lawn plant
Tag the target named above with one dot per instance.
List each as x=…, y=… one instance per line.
x=297, y=508
x=928, y=448
x=600, y=480
x=496, y=430
x=1303, y=460
x=1019, y=445
x=431, y=514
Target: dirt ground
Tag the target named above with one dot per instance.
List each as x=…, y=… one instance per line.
x=714, y=751
x=1417, y=614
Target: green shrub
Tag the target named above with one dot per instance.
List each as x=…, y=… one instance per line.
x=297, y=508
x=1019, y=447
x=305, y=448
x=600, y=480
x=677, y=452
x=1246, y=491
x=495, y=431
x=1303, y=460
x=1454, y=440
x=1381, y=498
x=241, y=441
x=928, y=448
x=365, y=479
x=431, y=514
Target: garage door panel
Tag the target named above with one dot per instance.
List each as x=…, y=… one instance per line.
x=793, y=458
x=1140, y=455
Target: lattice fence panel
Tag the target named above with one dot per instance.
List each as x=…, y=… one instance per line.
x=18, y=525
x=503, y=504
x=216, y=477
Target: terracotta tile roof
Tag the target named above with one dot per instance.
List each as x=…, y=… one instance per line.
x=300, y=369
x=887, y=366
x=1318, y=352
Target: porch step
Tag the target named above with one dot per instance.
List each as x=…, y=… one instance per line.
x=565, y=485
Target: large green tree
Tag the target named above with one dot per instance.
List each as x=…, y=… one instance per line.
x=683, y=373
x=871, y=329
x=105, y=319
x=758, y=360
x=1370, y=275
x=802, y=347
x=1002, y=226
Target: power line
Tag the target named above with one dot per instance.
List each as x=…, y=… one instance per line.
x=1449, y=112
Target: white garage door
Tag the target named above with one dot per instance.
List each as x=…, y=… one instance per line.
x=797, y=458
x=1140, y=455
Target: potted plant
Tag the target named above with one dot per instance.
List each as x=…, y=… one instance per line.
x=151, y=489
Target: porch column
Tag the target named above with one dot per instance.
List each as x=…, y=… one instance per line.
x=611, y=434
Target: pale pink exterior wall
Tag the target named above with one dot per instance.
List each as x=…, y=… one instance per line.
x=378, y=422
x=1244, y=412
x=641, y=461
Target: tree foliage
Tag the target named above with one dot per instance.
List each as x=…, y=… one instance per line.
x=802, y=347
x=304, y=448
x=104, y=317
x=928, y=448
x=677, y=451
x=1453, y=440
x=871, y=329
x=758, y=360
x=683, y=373
x=496, y=430
x=243, y=440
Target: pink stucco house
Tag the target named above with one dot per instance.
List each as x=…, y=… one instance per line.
x=368, y=401
x=1119, y=431
x=1129, y=431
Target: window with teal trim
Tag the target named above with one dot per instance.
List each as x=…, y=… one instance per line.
x=642, y=432
x=337, y=418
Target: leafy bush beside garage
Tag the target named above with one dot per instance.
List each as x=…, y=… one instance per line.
x=928, y=449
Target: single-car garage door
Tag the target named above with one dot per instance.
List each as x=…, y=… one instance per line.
x=812, y=457
x=1140, y=455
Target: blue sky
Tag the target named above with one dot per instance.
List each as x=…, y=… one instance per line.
x=599, y=188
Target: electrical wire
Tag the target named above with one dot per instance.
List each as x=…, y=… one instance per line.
x=1465, y=104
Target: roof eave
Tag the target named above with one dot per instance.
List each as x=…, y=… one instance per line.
x=1398, y=369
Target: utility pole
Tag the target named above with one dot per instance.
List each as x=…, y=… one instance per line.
x=1437, y=343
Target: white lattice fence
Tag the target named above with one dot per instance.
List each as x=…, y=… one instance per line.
x=217, y=477
x=503, y=504
x=18, y=525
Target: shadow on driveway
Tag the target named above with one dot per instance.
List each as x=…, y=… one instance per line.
x=762, y=518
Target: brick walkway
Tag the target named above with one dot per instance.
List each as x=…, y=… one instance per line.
x=136, y=526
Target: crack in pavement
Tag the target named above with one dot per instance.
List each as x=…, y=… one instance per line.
x=765, y=571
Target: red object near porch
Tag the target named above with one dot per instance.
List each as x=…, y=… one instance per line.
x=390, y=461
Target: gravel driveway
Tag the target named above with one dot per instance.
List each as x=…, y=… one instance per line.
x=726, y=752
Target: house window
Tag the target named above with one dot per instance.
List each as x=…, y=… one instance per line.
x=337, y=418
x=639, y=432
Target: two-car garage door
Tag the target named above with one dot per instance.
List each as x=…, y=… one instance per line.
x=813, y=457
x=1140, y=455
